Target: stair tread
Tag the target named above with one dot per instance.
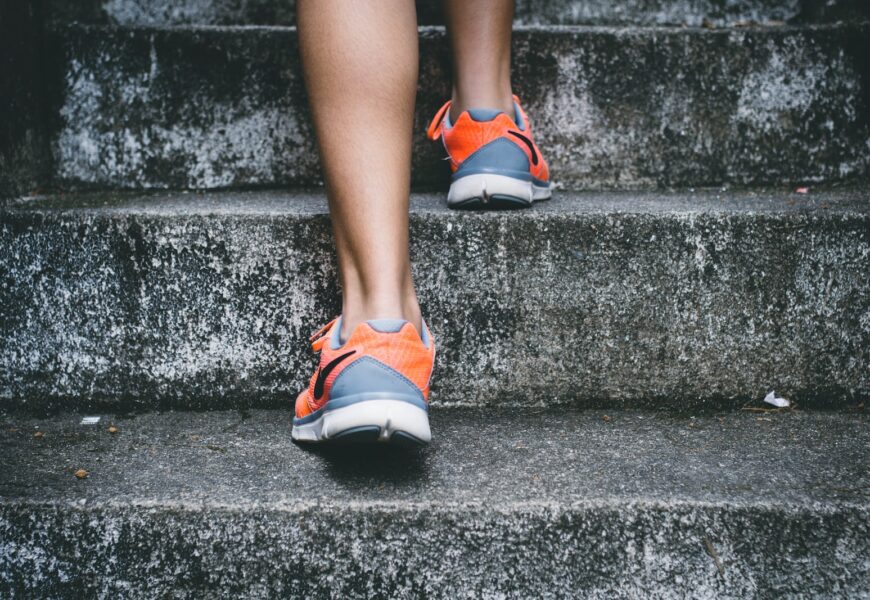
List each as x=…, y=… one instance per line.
x=439, y=30
x=854, y=199
x=495, y=459
x=503, y=504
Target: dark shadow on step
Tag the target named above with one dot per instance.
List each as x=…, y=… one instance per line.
x=374, y=465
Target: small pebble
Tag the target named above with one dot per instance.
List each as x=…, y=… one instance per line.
x=112, y=429
x=81, y=473
x=38, y=434
x=606, y=418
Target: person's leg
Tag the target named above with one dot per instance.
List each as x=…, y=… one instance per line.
x=372, y=382
x=480, y=40
x=493, y=156
x=360, y=64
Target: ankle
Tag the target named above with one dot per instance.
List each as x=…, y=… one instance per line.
x=494, y=99
x=354, y=313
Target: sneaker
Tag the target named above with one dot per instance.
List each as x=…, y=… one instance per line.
x=493, y=157
x=372, y=388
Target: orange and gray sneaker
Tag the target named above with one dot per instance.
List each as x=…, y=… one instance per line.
x=493, y=157
x=374, y=387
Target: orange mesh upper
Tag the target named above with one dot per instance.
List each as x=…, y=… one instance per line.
x=467, y=136
x=403, y=351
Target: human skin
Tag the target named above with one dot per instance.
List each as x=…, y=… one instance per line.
x=360, y=61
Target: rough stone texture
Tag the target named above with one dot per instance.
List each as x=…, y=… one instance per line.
x=538, y=505
x=24, y=144
x=592, y=299
x=613, y=108
x=528, y=12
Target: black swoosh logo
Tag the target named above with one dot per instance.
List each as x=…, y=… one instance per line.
x=323, y=373
x=528, y=143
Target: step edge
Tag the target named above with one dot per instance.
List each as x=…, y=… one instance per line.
x=428, y=31
x=438, y=506
x=852, y=202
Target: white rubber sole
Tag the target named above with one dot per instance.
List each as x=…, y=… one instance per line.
x=369, y=421
x=487, y=190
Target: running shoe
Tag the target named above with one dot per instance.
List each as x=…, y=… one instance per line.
x=374, y=387
x=493, y=157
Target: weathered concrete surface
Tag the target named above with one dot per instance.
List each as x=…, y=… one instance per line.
x=24, y=143
x=528, y=12
x=704, y=299
x=613, y=108
x=502, y=505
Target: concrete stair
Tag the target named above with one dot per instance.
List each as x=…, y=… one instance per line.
x=599, y=430
x=594, y=299
x=504, y=504
x=191, y=107
x=527, y=12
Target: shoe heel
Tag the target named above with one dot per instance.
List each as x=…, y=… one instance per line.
x=491, y=191
x=369, y=421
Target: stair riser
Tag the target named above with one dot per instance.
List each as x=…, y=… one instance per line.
x=346, y=552
x=648, y=309
x=221, y=108
x=567, y=12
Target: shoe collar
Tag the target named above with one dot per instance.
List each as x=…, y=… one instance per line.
x=442, y=121
x=380, y=325
x=484, y=115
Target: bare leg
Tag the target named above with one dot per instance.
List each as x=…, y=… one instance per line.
x=360, y=63
x=480, y=39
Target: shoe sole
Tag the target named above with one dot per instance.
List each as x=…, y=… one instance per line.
x=368, y=422
x=488, y=191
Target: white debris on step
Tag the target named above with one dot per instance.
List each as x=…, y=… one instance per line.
x=772, y=398
x=90, y=420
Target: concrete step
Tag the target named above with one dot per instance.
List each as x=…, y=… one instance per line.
x=528, y=504
x=705, y=299
x=528, y=12
x=225, y=107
